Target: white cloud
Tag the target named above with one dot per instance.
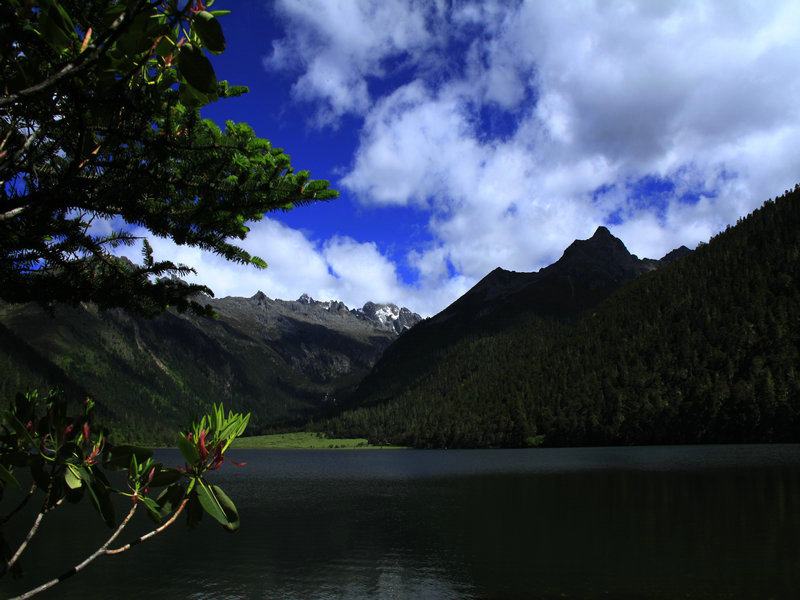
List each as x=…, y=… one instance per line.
x=696, y=97
x=338, y=45
x=338, y=269
x=411, y=143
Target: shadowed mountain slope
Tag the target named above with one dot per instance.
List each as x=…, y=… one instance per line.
x=587, y=273
x=601, y=348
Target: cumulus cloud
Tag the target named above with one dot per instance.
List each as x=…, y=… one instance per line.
x=337, y=269
x=337, y=46
x=696, y=94
x=516, y=127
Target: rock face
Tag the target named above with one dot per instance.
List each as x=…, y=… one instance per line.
x=388, y=317
x=323, y=340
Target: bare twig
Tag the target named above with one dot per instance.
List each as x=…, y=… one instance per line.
x=150, y=534
x=13, y=212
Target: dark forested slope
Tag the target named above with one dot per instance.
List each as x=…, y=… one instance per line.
x=705, y=349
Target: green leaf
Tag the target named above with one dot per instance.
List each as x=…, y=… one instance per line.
x=74, y=496
x=141, y=33
x=196, y=69
x=21, y=430
x=101, y=500
x=165, y=477
x=56, y=26
x=191, y=97
x=152, y=508
x=189, y=450
x=118, y=458
x=72, y=478
x=169, y=499
x=210, y=31
x=194, y=511
x=165, y=47
x=216, y=503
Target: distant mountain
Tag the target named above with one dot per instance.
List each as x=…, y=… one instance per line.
x=280, y=360
x=587, y=273
x=604, y=348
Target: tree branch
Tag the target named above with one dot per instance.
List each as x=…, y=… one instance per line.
x=13, y=212
x=68, y=69
x=79, y=567
x=150, y=534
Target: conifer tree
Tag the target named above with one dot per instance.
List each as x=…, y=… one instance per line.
x=100, y=134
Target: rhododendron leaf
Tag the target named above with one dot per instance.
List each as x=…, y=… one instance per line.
x=152, y=508
x=119, y=457
x=188, y=450
x=101, y=500
x=216, y=503
x=209, y=31
x=194, y=511
x=72, y=478
x=7, y=477
x=169, y=500
x=165, y=477
x=197, y=70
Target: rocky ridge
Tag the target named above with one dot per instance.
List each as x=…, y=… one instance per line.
x=586, y=273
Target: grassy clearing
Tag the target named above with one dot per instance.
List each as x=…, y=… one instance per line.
x=303, y=440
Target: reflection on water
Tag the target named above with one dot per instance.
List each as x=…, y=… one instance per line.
x=683, y=522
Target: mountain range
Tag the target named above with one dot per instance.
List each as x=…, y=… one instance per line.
x=601, y=347
x=283, y=361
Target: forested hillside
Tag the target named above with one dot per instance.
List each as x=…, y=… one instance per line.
x=704, y=349
x=281, y=361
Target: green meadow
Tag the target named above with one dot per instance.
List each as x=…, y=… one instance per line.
x=303, y=440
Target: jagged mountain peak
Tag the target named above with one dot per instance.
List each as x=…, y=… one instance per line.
x=587, y=271
x=602, y=232
x=602, y=258
x=260, y=297
x=380, y=316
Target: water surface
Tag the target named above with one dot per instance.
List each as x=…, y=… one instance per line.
x=652, y=522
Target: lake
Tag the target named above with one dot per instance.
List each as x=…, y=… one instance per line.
x=680, y=522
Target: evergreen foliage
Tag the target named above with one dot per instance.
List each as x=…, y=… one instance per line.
x=100, y=133
x=705, y=349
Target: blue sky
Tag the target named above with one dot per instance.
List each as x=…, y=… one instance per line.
x=463, y=136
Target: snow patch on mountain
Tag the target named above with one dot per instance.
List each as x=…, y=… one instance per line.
x=383, y=316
